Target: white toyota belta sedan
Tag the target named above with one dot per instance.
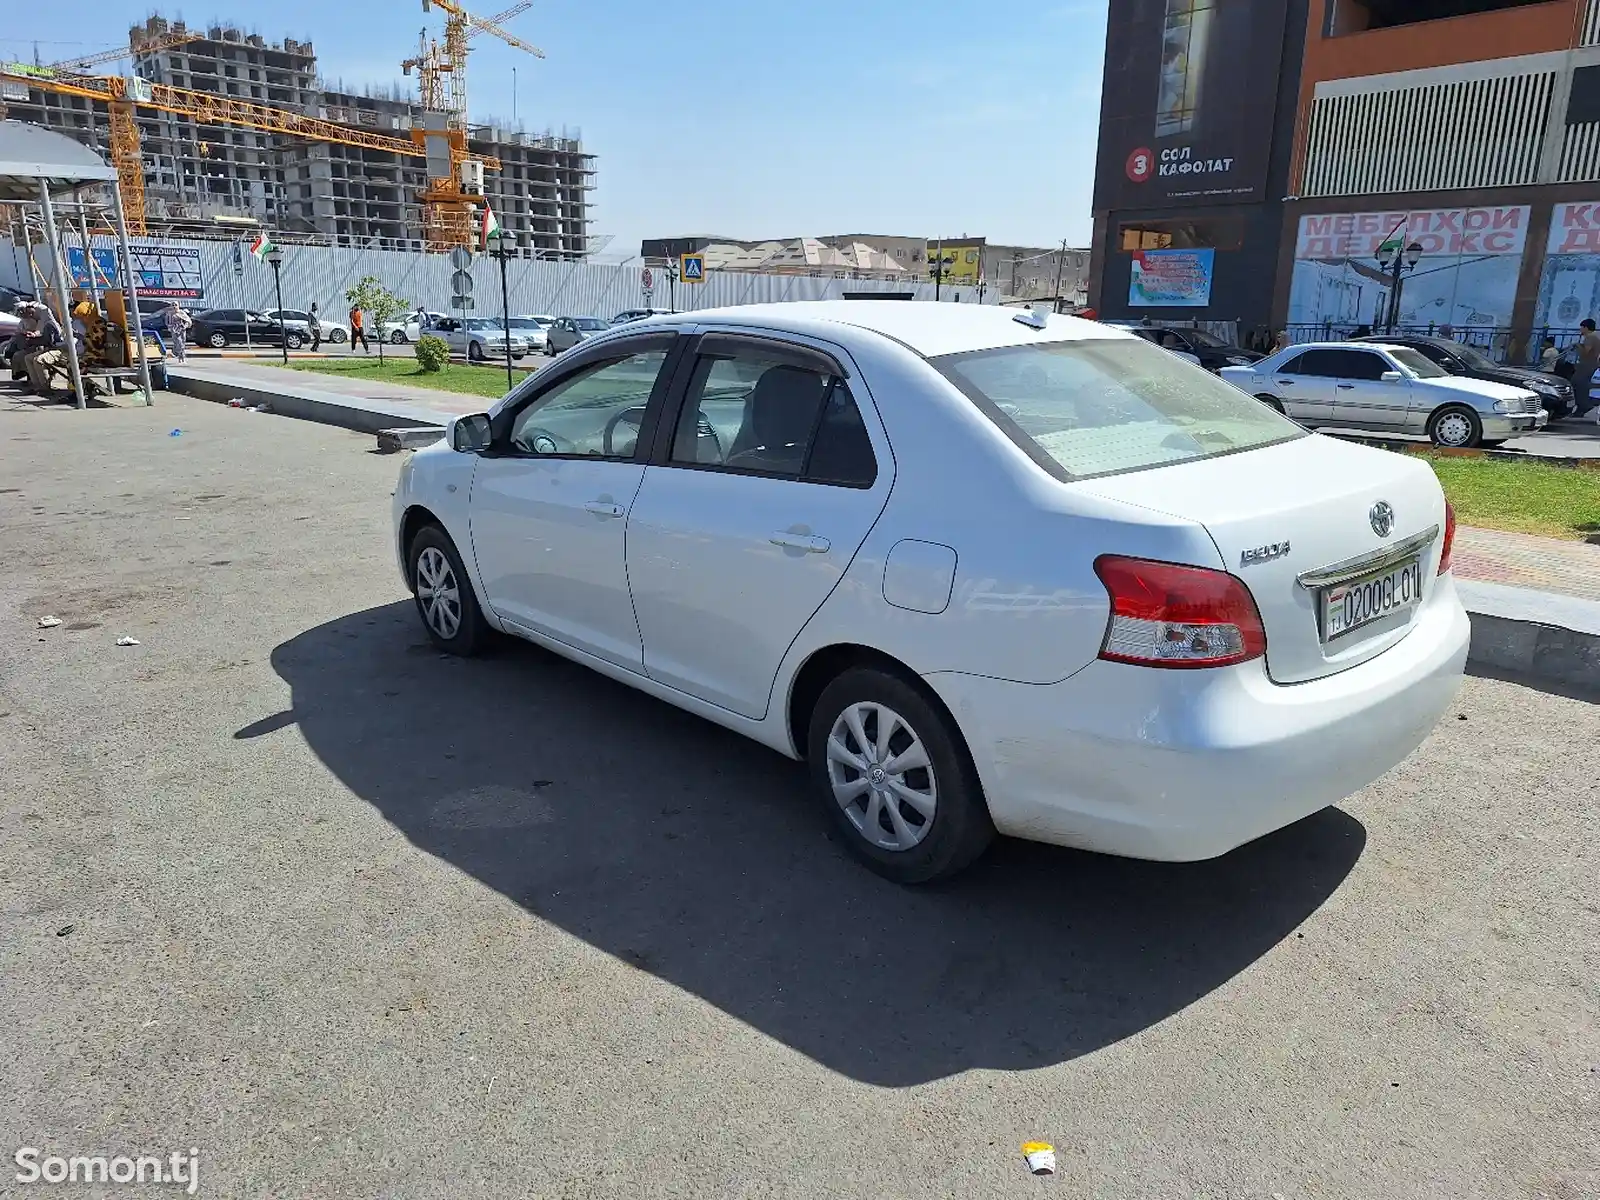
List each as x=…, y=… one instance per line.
x=984, y=571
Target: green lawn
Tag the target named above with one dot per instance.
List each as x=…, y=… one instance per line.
x=1522, y=497
x=454, y=377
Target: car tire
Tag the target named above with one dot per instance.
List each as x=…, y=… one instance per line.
x=474, y=352
x=935, y=844
x=337, y=338
x=434, y=568
x=291, y=341
x=1455, y=427
x=1271, y=402
x=216, y=339
x=398, y=338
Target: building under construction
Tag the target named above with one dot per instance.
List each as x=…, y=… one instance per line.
x=196, y=173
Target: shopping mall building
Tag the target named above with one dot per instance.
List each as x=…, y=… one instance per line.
x=1262, y=160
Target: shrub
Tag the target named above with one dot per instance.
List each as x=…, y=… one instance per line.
x=432, y=352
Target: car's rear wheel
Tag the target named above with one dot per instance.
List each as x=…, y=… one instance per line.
x=1455, y=428
x=443, y=593
x=216, y=339
x=893, y=773
x=1271, y=402
x=397, y=338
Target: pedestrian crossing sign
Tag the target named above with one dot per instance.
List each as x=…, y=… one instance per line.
x=692, y=268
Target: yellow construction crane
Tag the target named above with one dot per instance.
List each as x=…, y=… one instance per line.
x=442, y=88
x=149, y=45
x=120, y=96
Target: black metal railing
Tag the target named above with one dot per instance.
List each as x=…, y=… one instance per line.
x=1497, y=341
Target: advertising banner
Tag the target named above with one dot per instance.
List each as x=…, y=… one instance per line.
x=1466, y=275
x=1569, y=286
x=1187, y=108
x=1170, y=279
x=165, y=272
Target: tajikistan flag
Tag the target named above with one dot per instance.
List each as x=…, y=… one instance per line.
x=490, y=226
x=262, y=246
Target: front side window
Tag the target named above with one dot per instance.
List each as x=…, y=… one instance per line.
x=1105, y=406
x=760, y=411
x=1363, y=364
x=596, y=413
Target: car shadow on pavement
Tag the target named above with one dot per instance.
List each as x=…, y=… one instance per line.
x=696, y=855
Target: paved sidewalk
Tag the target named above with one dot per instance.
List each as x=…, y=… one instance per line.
x=1522, y=560
x=260, y=377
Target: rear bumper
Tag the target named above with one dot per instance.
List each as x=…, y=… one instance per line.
x=1184, y=765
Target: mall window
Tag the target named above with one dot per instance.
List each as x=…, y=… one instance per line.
x=1357, y=16
x=1183, y=51
x=1196, y=233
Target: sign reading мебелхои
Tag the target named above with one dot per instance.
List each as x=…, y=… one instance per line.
x=1569, y=285
x=1188, y=100
x=1170, y=279
x=1466, y=275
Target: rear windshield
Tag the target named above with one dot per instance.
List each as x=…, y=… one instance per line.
x=1416, y=362
x=1105, y=406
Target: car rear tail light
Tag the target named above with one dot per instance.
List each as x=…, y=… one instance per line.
x=1168, y=615
x=1449, y=537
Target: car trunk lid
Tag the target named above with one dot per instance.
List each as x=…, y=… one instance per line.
x=1299, y=522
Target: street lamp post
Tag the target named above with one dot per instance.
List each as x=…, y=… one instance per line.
x=275, y=261
x=497, y=247
x=939, y=264
x=1393, y=259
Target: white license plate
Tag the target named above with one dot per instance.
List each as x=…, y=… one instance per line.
x=1349, y=606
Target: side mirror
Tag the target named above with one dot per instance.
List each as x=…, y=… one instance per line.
x=471, y=435
x=1391, y=377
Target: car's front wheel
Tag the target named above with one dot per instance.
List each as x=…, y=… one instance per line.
x=443, y=593
x=337, y=338
x=1455, y=428
x=397, y=338
x=216, y=339
x=893, y=773
x=292, y=341
x=474, y=352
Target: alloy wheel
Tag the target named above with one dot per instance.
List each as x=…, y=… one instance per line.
x=1454, y=429
x=438, y=593
x=882, y=777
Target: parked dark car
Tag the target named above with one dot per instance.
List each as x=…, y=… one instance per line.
x=219, y=327
x=1458, y=358
x=639, y=314
x=1210, y=352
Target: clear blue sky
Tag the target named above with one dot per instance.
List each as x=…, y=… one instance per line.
x=750, y=120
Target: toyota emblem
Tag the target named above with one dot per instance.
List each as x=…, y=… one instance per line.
x=1382, y=518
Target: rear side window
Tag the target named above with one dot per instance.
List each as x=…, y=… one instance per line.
x=1101, y=407
x=762, y=412
x=1327, y=364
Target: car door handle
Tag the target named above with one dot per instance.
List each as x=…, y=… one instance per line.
x=1346, y=387
x=808, y=542
x=1286, y=382
x=601, y=509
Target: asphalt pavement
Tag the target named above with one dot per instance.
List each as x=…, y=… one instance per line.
x=353, y=919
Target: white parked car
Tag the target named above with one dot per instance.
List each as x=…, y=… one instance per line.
x=293, y=318
x=983, y=571
x=410, y=327
x=1388, y=389
x=536, y=329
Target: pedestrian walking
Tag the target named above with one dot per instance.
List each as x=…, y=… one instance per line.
x=316, y=329
x=1588, y=361
x=1281, y=342
x=357, y=333
x=177, y=323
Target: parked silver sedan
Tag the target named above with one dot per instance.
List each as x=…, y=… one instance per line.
x=567, y=332
x=1381, y=388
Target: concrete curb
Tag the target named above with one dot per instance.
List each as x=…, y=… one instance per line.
x=392, y=441
x=1423, y=448
x=1537, y=634
x=308, y=404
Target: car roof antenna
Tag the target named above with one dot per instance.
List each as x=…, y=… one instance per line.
x=1034, y=318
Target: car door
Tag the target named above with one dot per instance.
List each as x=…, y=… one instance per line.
x=1305, y=384
x=1363, y=398
x=449, y=329
x=561, y=334
x=761, y=489
x=550, y=499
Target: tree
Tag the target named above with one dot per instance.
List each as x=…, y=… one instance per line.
x=377, y=301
